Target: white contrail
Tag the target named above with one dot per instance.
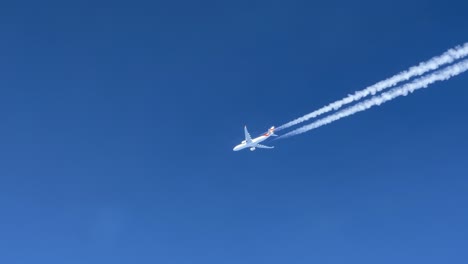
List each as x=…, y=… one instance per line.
x=447, y=57
x=423, y=82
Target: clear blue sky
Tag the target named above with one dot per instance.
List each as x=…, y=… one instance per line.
x=118, y=121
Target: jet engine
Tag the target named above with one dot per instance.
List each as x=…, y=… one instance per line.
x=252, y=149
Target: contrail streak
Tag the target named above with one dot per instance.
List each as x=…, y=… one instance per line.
x=423, y=82
x=447, y=57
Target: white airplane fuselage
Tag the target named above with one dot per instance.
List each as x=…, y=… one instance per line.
x=254, y=143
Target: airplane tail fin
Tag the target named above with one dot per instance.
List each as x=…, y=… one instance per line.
x=271, y=131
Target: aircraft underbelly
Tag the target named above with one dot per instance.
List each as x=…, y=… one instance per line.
x=258, y=140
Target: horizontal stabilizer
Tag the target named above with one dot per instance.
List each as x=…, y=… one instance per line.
x=271, y=132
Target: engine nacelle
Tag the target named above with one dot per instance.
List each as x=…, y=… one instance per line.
x=252, y=149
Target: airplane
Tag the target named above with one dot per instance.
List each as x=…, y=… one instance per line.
x=254, y=143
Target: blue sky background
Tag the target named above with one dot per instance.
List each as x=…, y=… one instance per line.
x=118, y=121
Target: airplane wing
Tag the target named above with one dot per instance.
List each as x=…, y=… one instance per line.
x=248, y=138
x=263, y=146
